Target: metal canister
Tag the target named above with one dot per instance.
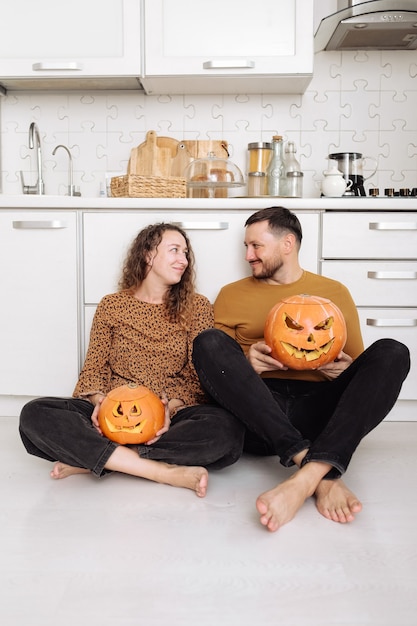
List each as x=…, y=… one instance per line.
x=259, y=157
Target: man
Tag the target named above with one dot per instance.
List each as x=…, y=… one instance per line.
x=313, y=419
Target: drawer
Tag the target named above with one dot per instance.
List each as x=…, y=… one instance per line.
x=369, y=235
x=376, y=283
x=400, y=324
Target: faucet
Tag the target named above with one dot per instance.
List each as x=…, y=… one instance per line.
x=39, y=187
x=71, y=188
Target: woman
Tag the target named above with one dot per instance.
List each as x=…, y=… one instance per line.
x=144, y=334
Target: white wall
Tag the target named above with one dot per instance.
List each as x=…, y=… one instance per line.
x=357, y=101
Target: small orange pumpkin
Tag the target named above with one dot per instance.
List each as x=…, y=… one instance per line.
x=131, y=414
x=305, y=331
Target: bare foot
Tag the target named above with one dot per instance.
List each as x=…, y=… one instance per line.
x=195, y=478
x=279, y=505
x=62, y=470
x=336, y=502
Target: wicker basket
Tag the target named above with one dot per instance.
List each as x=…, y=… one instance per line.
x=134, y=186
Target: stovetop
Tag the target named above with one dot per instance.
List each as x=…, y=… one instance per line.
x=390, y=192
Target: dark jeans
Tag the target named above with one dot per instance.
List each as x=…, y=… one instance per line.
x=284, y=417
x=60, y=429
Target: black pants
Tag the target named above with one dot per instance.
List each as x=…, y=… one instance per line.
x=284, y=417
x=60, y=429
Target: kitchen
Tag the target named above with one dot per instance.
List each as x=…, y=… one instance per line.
x=361, y=101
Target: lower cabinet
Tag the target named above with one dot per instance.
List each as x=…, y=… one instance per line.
x=376, y=258
x=400, y=324
x=55, y=266
x=38, y=316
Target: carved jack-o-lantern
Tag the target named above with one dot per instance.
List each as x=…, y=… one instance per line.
x=131, y=414
x=305, y=331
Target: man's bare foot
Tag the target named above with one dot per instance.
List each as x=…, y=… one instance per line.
x=195, y=478
x=62, y=470
x=336, y=502
x=279, y=505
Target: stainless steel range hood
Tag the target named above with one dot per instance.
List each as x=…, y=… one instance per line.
x=374, y=25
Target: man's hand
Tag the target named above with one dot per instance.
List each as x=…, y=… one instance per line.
x=335, y=368
x=260, y=359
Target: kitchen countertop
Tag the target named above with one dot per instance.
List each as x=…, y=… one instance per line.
x=194, y=204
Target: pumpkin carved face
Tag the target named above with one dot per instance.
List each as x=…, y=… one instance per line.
x=305, y=331
x=131, y=414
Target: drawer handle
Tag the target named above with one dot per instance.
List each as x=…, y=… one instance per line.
x=57, y=67
x=41, y=224
x=393, y=275
x=405, y=323
x=229, y=64
x=202, y=225
x=392, y=226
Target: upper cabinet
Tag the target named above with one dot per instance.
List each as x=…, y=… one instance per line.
x=95, y=44
x=218, y=46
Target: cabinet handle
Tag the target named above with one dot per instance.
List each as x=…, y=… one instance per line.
x=202, y=225
x=393, y=275
x=392, y=226
x=392, y=322
x=41, y=224
x=57, y=67
x=229, y=64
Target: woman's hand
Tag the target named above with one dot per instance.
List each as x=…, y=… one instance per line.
x=260, y=359
x=170, y=406
x=333, y=369
x=96, y=399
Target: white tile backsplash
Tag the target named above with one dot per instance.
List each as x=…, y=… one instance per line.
x=357, y=101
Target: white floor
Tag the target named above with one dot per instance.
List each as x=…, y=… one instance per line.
x=123, y=551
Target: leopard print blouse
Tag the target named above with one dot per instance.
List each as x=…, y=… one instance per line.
x=132, y=341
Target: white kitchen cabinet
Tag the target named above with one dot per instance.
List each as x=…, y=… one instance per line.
x=213, y=46
x=399, y=323
x=38, y=316
x=216, y=237
x=376, y=258
x=42, y=40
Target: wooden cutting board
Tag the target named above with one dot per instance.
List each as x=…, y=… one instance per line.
x=188, y=150
x=153, y=157
x=166, y=157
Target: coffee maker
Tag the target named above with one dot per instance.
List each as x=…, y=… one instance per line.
x=351, y=164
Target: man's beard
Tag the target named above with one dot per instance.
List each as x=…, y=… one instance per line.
x=269, y=268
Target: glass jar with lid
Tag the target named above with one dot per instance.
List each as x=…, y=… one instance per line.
x=260, y=153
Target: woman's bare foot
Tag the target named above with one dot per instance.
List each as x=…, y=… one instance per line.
x=336, y=502
x=127, y=461
x=62, y=470
x=194, y=478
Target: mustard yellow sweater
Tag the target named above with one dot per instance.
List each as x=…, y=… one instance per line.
x=241, y=309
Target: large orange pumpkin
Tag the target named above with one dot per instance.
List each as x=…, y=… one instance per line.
x=131, y=414
x=305, y=331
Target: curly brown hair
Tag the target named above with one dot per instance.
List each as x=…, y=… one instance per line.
x=179, y=297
